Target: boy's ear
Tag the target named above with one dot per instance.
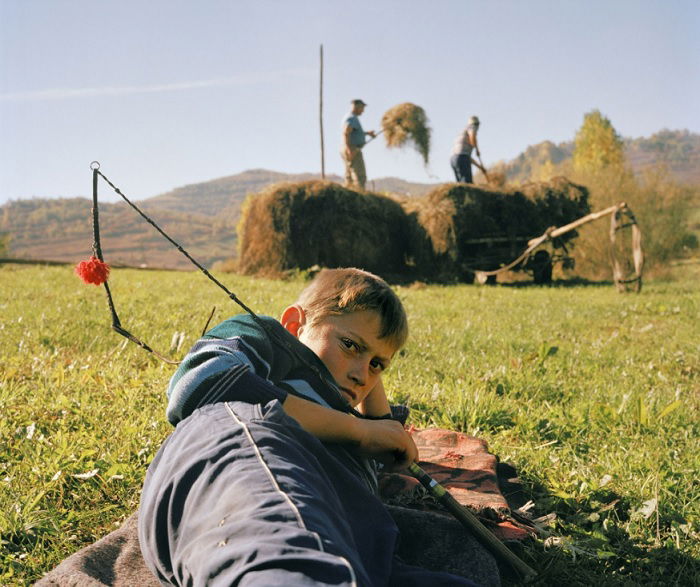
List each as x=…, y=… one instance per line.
x=293, y=318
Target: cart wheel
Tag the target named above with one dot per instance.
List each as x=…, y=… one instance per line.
x=542, y=267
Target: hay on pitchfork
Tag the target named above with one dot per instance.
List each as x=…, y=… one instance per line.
x=407, y=122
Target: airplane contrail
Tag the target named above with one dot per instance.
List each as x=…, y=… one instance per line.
x=246, y=79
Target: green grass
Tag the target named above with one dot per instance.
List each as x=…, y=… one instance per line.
x=594, y=396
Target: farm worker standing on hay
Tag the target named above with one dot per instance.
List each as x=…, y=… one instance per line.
x=353, y=141
x=268, y=478
x=461, y=159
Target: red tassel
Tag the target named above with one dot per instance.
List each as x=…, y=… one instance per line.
x=92, y=271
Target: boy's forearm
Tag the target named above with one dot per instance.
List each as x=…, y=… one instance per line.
x=324, y=423
x=384, y=440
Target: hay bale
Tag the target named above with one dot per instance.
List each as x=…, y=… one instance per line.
x=299, y=225
x=407, y=122
x=445, y=236
x=526, y=212
x=450, y=216
x=469, y=227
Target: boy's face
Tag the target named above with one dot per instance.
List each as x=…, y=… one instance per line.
x=350, y=347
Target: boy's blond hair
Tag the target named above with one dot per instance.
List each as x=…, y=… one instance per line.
x=342, y=291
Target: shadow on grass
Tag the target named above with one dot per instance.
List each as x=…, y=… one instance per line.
x=413, y=282
x=590, y=544
x=561, y=283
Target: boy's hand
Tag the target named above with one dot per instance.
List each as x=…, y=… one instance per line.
x=387, y=442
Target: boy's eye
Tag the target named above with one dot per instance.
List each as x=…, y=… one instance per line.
x=349, y=344
x=377, y=365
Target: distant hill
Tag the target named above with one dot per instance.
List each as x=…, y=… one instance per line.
x=224, y=196
x=61, y=230
x=677, y=150
x=201, y=217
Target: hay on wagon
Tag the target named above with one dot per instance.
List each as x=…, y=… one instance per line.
x=468, y=227
x=407, y=122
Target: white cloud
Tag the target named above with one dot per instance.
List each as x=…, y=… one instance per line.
x=247, y=79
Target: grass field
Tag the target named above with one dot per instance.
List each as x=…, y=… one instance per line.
x=594, y=396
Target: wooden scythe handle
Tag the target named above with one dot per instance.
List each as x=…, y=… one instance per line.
x=472, y=523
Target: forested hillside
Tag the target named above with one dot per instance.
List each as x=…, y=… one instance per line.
x=676, y=150
x=61, y=230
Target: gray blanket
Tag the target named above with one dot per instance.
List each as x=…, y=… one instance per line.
x=428, y=539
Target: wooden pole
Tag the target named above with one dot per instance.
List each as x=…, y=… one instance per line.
x=320, y=117
x=576, y=223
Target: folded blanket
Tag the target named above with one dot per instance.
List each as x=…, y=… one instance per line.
x=113, y=560
x=463, y=465
x=429, y=537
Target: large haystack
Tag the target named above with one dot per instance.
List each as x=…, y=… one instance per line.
x=298, y=225
x=468, y=227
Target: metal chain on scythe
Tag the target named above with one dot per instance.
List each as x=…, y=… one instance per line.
x=617, y=212
x=116, y=323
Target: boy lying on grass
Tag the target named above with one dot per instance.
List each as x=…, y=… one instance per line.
x=270, y=475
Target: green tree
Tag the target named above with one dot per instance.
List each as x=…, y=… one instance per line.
x=597, y=145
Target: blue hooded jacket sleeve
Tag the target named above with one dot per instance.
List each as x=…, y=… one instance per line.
x=238, y=360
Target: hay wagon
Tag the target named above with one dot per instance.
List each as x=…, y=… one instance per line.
x=473, y=231
x=457, y=232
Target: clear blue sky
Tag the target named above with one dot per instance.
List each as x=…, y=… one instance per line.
x=169, y=92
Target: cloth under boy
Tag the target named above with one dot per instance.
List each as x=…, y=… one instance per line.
x=240, y=494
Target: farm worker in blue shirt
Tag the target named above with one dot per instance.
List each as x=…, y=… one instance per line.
x=353, y=141
x=270, y=475
x=461, y=159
